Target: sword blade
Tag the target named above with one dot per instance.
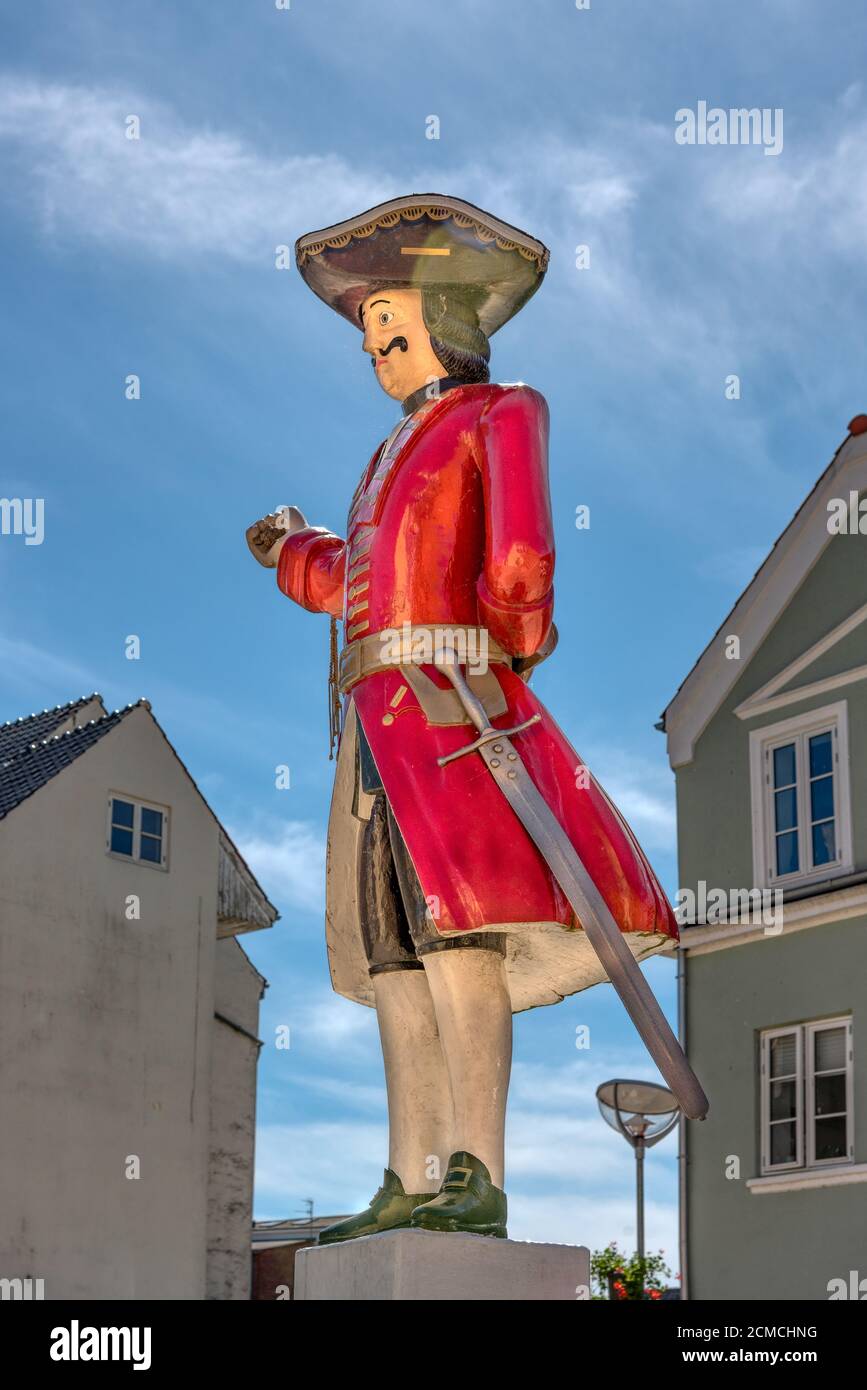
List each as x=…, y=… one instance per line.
x=511, y=776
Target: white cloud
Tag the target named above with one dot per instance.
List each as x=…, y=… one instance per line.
x=351, y=1094
x=181, y=191
x=814, y=201
x=176, y=191
x=338, y=1165
x=577, y=1217
x=641, y=789
x=325, y=1022
x=31, y=669
x=703, y=283
x=571, y=1087
x=288, y=859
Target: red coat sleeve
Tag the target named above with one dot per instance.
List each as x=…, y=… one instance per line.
x=311, y=570
x=515, y=589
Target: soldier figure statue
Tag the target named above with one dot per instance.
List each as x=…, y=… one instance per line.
x=475, y=867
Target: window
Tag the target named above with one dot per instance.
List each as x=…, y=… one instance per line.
x=806, y=1089
x=800, y=785
x=137, y=830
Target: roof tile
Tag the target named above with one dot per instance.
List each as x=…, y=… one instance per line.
x=27, y=766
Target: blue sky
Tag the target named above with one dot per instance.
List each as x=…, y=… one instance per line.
x=156, y=257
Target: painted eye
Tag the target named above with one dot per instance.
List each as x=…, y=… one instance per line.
x=385, y=317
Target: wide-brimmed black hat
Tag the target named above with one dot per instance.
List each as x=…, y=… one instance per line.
x=424, y=240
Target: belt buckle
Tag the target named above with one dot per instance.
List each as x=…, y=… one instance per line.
x=350, y=665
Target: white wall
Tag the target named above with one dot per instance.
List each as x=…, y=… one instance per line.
x=233, y=1123
x=106, y=1032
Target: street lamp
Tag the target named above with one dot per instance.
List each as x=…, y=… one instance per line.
x=643, y=1113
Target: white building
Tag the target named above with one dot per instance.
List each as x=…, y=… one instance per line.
x=128, y=1016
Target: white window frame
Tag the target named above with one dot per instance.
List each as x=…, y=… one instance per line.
x=765, y=1083
x=138, y=805
x=762, y=742
x=805, y=1098
x=810, y=1030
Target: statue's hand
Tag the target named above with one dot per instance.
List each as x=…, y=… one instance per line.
x=265, y=538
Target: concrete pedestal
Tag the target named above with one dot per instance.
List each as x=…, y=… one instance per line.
x=425, y=1265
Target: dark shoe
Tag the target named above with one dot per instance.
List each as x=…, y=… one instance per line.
x=389, y=1210
x=467, y=1201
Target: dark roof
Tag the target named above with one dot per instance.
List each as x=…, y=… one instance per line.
x=30, y=757
x=33, y=728
x=35, y=763
x=292, y=1231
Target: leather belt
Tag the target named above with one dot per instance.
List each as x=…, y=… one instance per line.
x=417, y=644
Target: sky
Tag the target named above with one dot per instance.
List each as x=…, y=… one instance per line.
x=156, y=257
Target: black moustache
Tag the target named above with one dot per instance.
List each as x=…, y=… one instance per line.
x=395, y=343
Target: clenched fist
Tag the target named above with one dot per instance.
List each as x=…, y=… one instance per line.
x=265, y=538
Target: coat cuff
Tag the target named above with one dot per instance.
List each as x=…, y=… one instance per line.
x=297, y=554
x=520, y=628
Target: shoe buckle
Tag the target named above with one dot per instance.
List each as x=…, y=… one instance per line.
x=458, y=1177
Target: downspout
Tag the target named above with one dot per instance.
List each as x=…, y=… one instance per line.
x=683, y=1233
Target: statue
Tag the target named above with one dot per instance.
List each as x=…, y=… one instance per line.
x=475, y=867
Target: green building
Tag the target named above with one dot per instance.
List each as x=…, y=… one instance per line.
x=767, y=736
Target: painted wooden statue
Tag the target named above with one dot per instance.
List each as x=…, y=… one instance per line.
x=475, y=867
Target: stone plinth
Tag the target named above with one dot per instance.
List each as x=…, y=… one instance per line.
x=425, y=1265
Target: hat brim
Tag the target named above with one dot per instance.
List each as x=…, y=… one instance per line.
x=425, y=239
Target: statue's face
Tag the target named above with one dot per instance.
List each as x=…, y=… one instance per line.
x=398, y=342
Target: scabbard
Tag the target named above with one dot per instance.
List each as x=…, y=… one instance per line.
x=505, y=765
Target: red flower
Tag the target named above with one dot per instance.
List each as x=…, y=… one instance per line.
x=655, y=1293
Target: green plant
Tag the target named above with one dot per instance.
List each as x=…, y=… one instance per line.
x=617, y=1277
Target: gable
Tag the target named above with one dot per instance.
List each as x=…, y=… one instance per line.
x=837, y=659
x=819, y=643
x=144, y=765
x=797, y=552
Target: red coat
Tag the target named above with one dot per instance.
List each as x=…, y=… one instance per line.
x=453, y=526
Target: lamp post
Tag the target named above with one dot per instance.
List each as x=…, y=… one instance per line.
x=643, y=1113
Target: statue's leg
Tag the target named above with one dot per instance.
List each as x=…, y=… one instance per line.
x=474, y=1017
x=417, y=1082
x=471, y=1011
x=473, y=1014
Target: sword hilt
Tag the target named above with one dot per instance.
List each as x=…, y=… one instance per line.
x=477, y=713
x=487, y=736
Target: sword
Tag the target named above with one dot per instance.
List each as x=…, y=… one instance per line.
x=505, y=765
